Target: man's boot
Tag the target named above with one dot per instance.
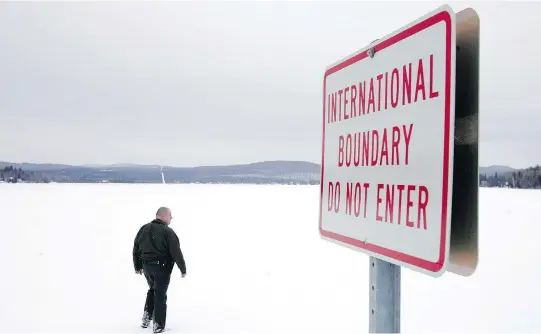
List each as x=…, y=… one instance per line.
x=146, y=319
x=158, y=329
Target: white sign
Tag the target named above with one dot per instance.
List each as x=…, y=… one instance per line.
x=388, y=129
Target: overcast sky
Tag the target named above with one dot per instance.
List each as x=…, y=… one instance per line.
x=207, y=83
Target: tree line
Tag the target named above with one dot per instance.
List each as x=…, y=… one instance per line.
x=12, y=174
x=529, y=178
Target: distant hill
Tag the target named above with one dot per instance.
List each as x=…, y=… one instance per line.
x=295, y=172
x=279, y=171
x=492, y=170
x=36, y=166
x=122, y=166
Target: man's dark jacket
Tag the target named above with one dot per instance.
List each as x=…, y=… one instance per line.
x=157, y=241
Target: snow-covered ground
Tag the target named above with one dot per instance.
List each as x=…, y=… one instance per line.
x=255, y=264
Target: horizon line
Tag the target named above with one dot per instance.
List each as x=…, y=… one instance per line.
x=90, y=165
x=96, y=165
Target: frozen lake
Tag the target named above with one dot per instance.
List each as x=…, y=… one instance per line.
x=255, y=264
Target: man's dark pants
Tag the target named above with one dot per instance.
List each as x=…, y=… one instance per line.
x=158, y=277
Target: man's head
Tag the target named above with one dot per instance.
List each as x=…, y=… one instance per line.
x=164, y=214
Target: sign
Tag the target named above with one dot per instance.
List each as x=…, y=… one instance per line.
x=387, y=153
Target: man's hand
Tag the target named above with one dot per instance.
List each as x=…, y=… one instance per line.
x=140, y=271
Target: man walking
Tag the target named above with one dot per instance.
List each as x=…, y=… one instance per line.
x=156, y=249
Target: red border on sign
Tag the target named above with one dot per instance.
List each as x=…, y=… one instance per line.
x=412, y=260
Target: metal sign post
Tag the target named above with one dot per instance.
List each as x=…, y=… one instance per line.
x=384, y=308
